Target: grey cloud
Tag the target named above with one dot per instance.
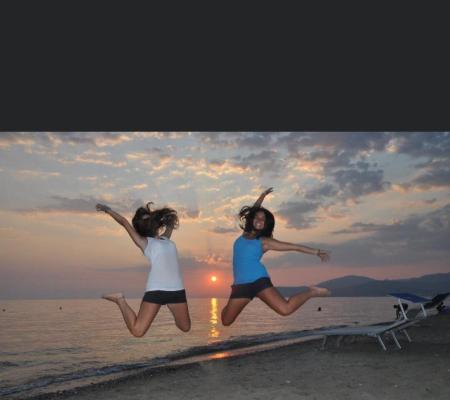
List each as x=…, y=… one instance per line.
x=435, y=163
x=75, y=138
x=337, y=149
x=337, y=160
x=356, y=178
x=325, y=190
x=51, y=139
x=360, y=227
x=239, y=139
x=435, y=172
x=137, y=268
x=220, y=230
x=420, y=144
x=350, y=183
x=82, y=205
x=295, y=259
x=19, y=138
x=91, y=138
x=348, y=141
x=430, y=201
x=297, y=213
x=328, y=159
x=355, y=183
x=255, y=139
x=192, y=263
x=189, y=212
x=418, y=240
x=184, y=261
x=430, y=179
x=157, y=150
x=267, y=161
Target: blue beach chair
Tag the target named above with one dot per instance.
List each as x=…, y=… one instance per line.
x=413, y=298
x=438, y=302
x=424, y=302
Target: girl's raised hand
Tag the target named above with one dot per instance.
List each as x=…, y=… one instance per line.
x=102, y=207
x=324, y=255
x=267, y=191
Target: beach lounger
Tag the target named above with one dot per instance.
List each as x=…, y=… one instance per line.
x=389, y=328
x=424, y=302
x=437, y=302
x=375, y=331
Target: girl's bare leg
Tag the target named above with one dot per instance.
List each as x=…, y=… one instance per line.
x=279, y=304
x=233, y=308
x=180, y=313
x=137, y=324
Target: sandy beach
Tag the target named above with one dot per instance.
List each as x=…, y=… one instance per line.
x=359, y=370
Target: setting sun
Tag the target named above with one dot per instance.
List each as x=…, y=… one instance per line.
x=213, y=278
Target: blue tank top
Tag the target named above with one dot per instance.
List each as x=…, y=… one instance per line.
x=247, y=266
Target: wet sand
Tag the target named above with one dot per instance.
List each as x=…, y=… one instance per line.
x=355, y=371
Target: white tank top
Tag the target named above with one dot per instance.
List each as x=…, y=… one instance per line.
x=165, y=272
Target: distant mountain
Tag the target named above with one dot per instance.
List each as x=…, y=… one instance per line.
x=345, y=282
x=360, y=286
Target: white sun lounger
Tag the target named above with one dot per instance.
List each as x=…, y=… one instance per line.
x=424, y=302
x=379, y=330
x=375, y=331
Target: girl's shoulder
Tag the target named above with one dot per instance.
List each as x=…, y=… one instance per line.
x=265, y=240
x=162, y=242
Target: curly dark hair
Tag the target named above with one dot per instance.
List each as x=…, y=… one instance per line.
x=247, y=215
x=148, y=222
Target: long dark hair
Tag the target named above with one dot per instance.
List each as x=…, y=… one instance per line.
x=148, y=222
x=247, y=215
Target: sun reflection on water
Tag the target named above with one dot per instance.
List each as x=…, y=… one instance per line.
x=213, y=331
x=216, y=356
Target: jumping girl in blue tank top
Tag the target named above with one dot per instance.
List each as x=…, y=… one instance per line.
x=247, y=266
x=250, y=275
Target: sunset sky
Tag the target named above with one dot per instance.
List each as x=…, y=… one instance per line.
x=378, y=201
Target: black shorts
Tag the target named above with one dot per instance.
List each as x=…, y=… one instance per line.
x=249, y=290
x=165, y=296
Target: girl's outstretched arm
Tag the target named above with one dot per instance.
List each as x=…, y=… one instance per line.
x=138, y=240
x=273, y=244
x=262, y=196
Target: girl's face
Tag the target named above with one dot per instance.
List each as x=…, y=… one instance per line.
x=259, y=221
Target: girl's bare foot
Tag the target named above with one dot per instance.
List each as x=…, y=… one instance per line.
x=319, y=292
x=114, y=297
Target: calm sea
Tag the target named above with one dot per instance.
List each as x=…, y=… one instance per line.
x=50, y=345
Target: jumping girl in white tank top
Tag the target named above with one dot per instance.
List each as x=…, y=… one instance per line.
x=165, y=272
x=165, y=283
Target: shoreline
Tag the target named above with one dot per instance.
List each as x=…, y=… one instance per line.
x=297, y=370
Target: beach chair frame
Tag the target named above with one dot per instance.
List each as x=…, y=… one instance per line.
x=413, y=298
x=390, y=328
x=375, y=331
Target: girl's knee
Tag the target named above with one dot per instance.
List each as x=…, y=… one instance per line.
x=185, y=328
x=284, y=311
x=225, y=318
x=138, y=333
x=226, y=321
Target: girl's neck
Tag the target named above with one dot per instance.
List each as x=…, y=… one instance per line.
x=250, y=235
